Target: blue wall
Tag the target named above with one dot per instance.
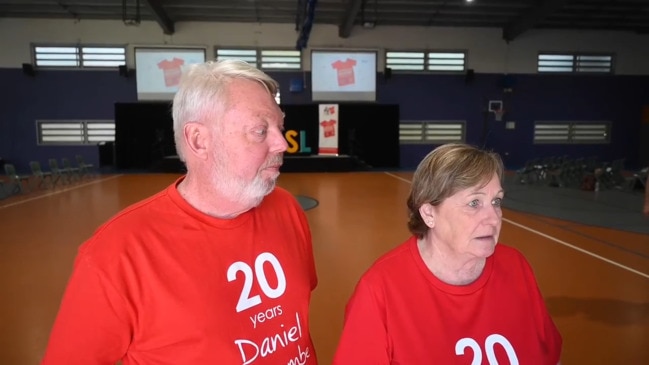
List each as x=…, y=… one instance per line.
x=55, y=95
x=619, y=99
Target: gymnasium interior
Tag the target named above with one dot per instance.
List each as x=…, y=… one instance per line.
x=558, y=88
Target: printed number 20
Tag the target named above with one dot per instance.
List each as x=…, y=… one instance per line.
x=489, y=344
x=245, y=300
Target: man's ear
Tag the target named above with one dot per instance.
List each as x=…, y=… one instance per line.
x=197, y=139
x=427, y=212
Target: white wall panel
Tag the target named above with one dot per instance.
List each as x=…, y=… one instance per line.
x=487, y=52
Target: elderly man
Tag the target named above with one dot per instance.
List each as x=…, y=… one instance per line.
x=217, y=268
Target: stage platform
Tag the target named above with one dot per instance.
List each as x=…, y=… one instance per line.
x=313, y=163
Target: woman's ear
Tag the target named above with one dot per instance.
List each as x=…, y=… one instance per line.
x=427, y=214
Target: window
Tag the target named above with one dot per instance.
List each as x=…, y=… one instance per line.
x=411, y=132
x=551, y=132
x=446, y=61
x=248, y=55
x=103, y=56
x=572, y=132
x=590, y=132
x=79, y=56
x=75, y=132
x=602, y=63
x=405, y=61
x=431, y=132
x=425, y=61
x=281, y=59
x=574, y=63
x=266, y=59
x=554, y=63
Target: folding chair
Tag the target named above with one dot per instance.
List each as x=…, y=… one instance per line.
x=3, y=192
x=41, y=176
x=58, y=174
x=16, y=180
x=74, y=172
x=84, y=168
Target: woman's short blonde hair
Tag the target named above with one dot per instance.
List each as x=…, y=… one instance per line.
x=445, y=171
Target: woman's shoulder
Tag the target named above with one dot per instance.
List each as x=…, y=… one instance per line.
x=507, y=257
x=508, y=251
x=393, y=261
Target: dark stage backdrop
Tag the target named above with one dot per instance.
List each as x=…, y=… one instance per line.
x=143, y=134
x=368, y=132
x=372, y=132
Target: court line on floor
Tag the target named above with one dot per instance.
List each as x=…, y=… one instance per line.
x=555, y=239
x=398, y=177
x=568, y=228
x=576, y=248
x=58, y=192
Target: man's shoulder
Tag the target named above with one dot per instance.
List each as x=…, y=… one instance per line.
x=140, y=211
x=137, y=217
x=280, y=193
x=280, y=196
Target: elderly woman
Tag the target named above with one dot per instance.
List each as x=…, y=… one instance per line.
x=450, y=294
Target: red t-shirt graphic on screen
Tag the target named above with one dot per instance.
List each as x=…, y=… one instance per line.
x=171, y=70
x=328, y=127
x=345, y=71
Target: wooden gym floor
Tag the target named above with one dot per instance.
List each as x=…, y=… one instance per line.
x=595, y=279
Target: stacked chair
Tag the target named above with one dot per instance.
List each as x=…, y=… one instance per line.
x=561, y=171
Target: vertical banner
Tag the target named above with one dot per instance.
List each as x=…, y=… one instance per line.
x=328, y=138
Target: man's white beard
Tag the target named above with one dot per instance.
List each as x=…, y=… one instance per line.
x=237, y=189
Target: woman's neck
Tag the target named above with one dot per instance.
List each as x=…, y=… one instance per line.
x=447, y=266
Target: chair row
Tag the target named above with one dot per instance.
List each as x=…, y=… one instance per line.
x=65, y=173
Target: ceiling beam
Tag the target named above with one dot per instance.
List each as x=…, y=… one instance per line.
x=351, y=11
x=530, y=18
x=307, y=24
x=161, y=16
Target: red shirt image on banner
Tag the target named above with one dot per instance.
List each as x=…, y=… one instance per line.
x=345, y=71
x=329, y=110
x=329, y=128
x=171, y=70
